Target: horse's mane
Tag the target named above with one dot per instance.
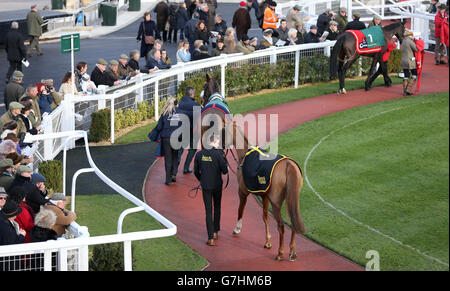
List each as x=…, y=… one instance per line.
x=392, y=26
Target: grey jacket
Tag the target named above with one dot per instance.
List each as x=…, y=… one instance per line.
x=408, y=49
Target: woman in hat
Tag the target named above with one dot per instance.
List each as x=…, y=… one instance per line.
x=10, y=233
x=408, y=63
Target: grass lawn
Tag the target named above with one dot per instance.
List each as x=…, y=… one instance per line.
x=153, y=254
x=255, y=102
x=389, y=172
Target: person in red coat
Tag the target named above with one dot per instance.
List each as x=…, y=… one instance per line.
x=241, y=20
x=25, y=218
x=444, y=35
x=439, y=26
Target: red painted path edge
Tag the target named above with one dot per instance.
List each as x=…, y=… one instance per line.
x=245, y=252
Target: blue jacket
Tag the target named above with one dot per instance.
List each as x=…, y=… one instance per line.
x=45, y=102
x=182, y=17
x=152, y=62
x=163, y=128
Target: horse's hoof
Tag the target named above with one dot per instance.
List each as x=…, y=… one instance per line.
x=342, y=91
x=367, y=89
x=293, y=257
x=268, y=246
x=279, y=258
x=388, y=85
x=236, y=232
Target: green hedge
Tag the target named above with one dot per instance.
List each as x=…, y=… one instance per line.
x=52, y=170
x=109, y=257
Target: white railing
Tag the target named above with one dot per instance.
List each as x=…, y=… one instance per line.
x=59, y=250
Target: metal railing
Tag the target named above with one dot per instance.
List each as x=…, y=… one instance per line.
x=58, y=254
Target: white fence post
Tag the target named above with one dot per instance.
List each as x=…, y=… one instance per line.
x=297, y=68
x=127, y=256
x=48, y=143
x=222, y=79
x=83, y=258
x=112, y=120
x=156, y=96
x=140, y=91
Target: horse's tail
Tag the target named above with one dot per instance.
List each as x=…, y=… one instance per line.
x=334, y=56
x=294, y=183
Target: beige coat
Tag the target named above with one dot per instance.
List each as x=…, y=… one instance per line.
x=408, y=48
x=292, y=18
x=63, y=218
x=243, y=48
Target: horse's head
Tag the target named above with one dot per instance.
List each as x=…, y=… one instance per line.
x=400, y=32
x=397, y=29
x=210, y=88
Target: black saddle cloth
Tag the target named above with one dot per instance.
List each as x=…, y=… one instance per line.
x=257, y=169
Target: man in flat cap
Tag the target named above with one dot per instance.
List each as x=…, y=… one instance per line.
x=356, y=24
x=99, y=75
x=14, y=90
x=15, y=109
x=34, y=22
x=341, y=19
x=124, y=68
x=113, y=71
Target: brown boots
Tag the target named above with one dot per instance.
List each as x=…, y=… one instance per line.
x=408, y=87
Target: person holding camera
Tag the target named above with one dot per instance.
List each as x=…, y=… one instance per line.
x=209, y=165
x=45, y=98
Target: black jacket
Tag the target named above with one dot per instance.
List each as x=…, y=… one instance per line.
x=101, y=78
x=312, y=38
x=202, y=35
x=163, y=128
x=34, y=197
x=355, y=25
x=14, y=46
x=189, y=29
x=8, y=235
x=182, y=17
x=221, y=28
x=209, y=165
x=197, y=55
x=323, y=21
x=40, y=234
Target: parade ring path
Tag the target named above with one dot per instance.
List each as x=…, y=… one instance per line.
x=245, y=252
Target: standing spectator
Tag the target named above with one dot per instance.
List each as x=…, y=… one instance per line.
x=6, y=177
x=13, y=115
x=439, y=51
x=15, y=50
x=162, y=15
x=66, y=85
x=241, y=20
x=14, y=90
x=283, y=30
x=186, y=106
x=408, y=63
x=220, y=27
x=270, y=18
x=173, y=13
x=64, y=217
x=312, y=36
x=190, y=6
x=201, y=32
x=342, y=19
x=3, y=194
x=189, y=30
x=244, y=46
x=183, y=54
x=35, y=115
x=433, y=7
x=220, y=48
x=323, y=21
x=230, y=42
x=376, y=21
x=147, y=34
x=203, y=12
x=211, y=15
x=45, y=99
x=355, y=24
x=293, y=17
x=164, y=129
x=182, y=17
x=209, y=165
x=34, y=22
x=445, y=35
x=253, y=4
x=99, y=75
x=333, y=31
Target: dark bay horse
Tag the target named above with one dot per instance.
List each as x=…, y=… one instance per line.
x=345, y=47
x=286, y=184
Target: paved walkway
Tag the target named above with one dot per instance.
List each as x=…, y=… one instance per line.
x=246, y=252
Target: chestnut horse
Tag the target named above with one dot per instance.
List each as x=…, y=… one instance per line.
x=286, y=184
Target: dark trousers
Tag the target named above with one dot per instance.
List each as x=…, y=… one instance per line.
x=190, y=155
x=255, y=6
x=172, y=32
x=212, y=198
x=170, y=159
x=13, y=66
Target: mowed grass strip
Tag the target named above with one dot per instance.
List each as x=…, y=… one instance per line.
x=101, y=213
x=259, y=101
x=390, y=172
